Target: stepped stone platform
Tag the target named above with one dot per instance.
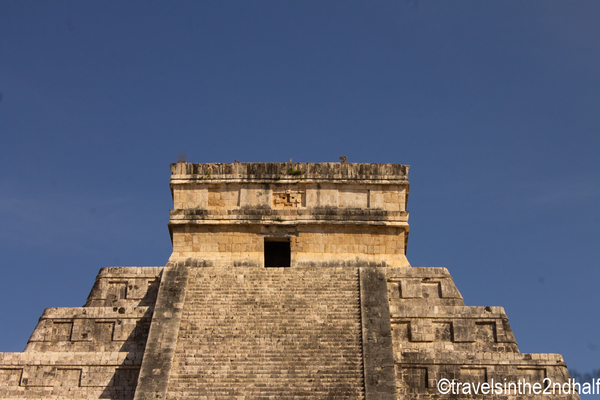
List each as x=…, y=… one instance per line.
x=287, y=281
x=90, y=352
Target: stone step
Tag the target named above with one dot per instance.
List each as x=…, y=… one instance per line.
x=269, y=333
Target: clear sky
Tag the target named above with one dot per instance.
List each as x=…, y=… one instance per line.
x=494, y=105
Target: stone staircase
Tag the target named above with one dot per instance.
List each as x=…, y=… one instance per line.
x=269, y=333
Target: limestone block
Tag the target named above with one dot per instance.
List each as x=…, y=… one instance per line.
x=259, y=197
x=190, y=196
x=464, y=330
x=322, y=196
x=99, y=289
x=442, y=330
x=10, y=376
x=43, y=331
x=97, y=376
x=103, y=331
x=68, y=377
x=353, y=197
x=61, y=330
x=412, y=377
x=532, y=375
x=473, y=374
x=486, y=331
x=431, y=289
x=137, y=288
x=393, y=199
x=376, y=198
x=38, y=375
x=449, y=290
x=505, y=333
x=116, y=290
x=312, y=196
x=393, y=291
x=227, y=196
x=124, y=329
x=83, y=330
x=421, y=330
x=400, y=334
x=411, y=289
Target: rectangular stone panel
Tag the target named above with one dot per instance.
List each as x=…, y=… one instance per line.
x=126, y=377
x=411, y=289
x=350, y=197
x=474, y=375
x=421, y=330
x=103, y=331
x=322, y=196
x=116, y=290
x=400, y=334
x=449, y=289
x=97, y=376
x=190, y=196
x=533, y=375
x=431, y=290
x=414, y=377
x=464, y=330
x=68, y=377
x=61, y=331
x=10, y=376
x=394, y=198
x=124, y=329
x=393, y=291
x=38, y=375
x=442, y=331
x=255, y=197
x=83, y=330
x=225, y=197
x=486, y=332
x=137, y=289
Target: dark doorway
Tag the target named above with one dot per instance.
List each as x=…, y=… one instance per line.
x=277, y=253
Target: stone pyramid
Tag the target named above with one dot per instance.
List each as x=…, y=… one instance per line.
x=287, y=281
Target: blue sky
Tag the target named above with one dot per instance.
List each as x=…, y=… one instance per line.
x=494, y=105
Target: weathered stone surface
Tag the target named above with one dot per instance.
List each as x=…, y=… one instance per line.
x=377, y=335
x=332, y=214
x=435, y=336
x=162, y=340
x=281, y=333
x=91, y=352
x=337, y=312
x=125, y=286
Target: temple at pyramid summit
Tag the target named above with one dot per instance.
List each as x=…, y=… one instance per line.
x=286, y=281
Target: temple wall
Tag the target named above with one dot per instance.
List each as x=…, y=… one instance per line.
x=275, y=195
x=243, y=245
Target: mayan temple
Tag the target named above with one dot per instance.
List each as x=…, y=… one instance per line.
x=286, y=281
